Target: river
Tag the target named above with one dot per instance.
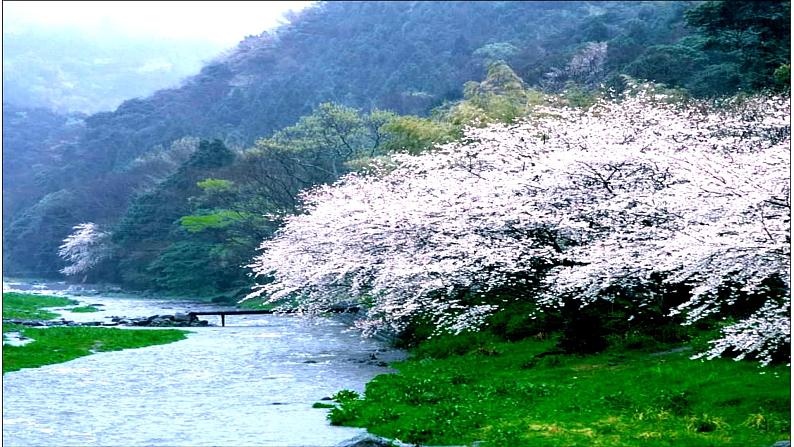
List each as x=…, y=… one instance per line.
x=251, y=383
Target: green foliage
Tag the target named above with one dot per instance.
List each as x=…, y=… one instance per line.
x=347, y=411
x=256, y=303
x=223, y=219
x=26, y=306
x=345, y=396
x=32, y=239
x=26, y=134
x=668, y=64
x=716, y=79
x=147, y=230
x=215, y=185
x=344, y=415
x=196, y=267
x=783, y=76
x=522, y=320
x=493, y=52
x=616, y=323
x=579, y=98
x=500, y=97
x=445, y=345
x=500, y=80
x=260, y=304
x=754, y=34
x=208, y=155
x=217, y=220
x=415, y=134
x=61, y=344
x=627, y=398
x=328, y=137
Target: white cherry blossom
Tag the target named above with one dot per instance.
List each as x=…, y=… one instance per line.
x=697, y=193
x=84, y=248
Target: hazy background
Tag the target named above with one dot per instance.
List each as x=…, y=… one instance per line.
x=90, y=56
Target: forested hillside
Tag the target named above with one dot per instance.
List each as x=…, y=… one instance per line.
x=34, y=140
x=182, y=180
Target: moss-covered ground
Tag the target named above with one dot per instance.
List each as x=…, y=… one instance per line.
x=526, y=393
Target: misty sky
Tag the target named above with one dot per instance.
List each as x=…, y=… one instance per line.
x=91, y=56
x=221, y=23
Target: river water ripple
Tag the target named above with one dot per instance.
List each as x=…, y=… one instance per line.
x=251, y=383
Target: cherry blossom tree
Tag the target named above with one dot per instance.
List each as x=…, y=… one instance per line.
x=696, y=193
x=84, y=248
x=586, y=67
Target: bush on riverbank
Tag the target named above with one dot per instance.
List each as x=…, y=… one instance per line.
x=528, y=393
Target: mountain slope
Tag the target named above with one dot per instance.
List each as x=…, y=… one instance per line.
x=404, y=56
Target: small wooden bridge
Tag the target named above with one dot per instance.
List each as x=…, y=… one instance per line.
x=223, y=313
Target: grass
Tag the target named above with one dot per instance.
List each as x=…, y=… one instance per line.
x=26, y=306
x=61, y=344
x=84, y=309
x=511, y=394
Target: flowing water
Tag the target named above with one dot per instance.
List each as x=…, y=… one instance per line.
x=251, y=383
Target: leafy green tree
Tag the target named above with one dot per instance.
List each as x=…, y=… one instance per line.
x=756, y=33
x=226, y=218
x=329, y=136
x=668, y=64
x=501, y=97
x=146, y=228
x=783, y=76
x=183, y=267
x=494, y=52
x=716, y=79
x=415, y=134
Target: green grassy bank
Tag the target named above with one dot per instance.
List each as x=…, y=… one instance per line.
x=26, y=306
x=524, y=394
x=60, y=344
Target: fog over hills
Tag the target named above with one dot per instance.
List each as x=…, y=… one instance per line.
x=69, y=70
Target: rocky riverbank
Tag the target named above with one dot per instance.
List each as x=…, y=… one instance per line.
x=176, y=320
